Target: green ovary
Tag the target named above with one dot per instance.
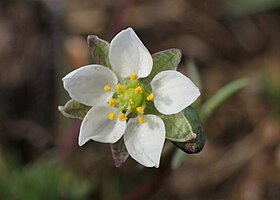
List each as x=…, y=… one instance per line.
x=133, y=98
x=128, y=99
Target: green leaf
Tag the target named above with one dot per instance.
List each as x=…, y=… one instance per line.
x=178, y=128
x=99, y=50
x=221, y=96
x=194, y=74
x=195, y=77
x=119, y=152
x=164, y=60
x=74, y=109
x=240, y=8
x=196, y=144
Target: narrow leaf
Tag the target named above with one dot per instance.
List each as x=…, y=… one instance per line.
x=239, y=8
x=74, y=109
x=99, y=50
x=221, y=96
x=194, y=74
x=195, y=145
x=195, y=77
x=178, y=128
x=164, y=60
x=119, y=152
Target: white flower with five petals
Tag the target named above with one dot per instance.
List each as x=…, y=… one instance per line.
x=118, y=99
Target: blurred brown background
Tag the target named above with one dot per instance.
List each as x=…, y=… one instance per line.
x=41, y=41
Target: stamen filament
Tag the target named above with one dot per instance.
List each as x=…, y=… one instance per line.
x=121, y=96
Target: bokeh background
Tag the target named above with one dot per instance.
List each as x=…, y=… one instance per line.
x=41, y=41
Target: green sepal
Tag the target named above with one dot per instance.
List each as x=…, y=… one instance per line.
x=119, y=152
x=195, y=145
x=178, y=127
x=164, y=60
x=99, y=50
x=74, y=109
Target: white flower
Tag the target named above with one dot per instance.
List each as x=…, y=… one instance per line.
x=118, y=99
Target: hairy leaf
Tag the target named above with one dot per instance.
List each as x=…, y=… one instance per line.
x=178, y=128
x=195, y=145
x=164, y=60
x=74, y=109
x=99, y=50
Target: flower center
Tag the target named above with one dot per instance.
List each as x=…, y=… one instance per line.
x=129, y=97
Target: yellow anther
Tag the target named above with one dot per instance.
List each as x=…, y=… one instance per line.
x=138, y=90
x=140, y=110
x=107, y=88
x=150, y=97
x=122, y=117
x=133, y=76
x=112, y=102
x=119, y=87
x=112, y=116
x=141, y=120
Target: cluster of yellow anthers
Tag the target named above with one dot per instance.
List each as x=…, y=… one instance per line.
x=129, y=98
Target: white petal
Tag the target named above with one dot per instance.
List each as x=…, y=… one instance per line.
x=144, y=142
x=173, y=92
x=128, y=55
x=86, y=84
x=98, y=127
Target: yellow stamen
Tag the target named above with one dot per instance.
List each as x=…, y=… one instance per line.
x=122, y=117
x=121, y=96
x=107, y=88
x=150, y=97
x=140, y=110
x=112, y=116
x=131, y=102
x=133, y=76
x=138, y=90
x=141, y=120
x=119, y=87
x=112, y=102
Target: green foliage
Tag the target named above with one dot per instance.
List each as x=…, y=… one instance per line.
x=245, y=7
x=272, y=94
x=99, y=50
x=196, y=144
x=74, y=109
x=164, y=60
x=178, y=127
x=44, y=181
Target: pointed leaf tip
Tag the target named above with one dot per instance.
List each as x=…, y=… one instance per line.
x=74, y=109
x=99, y=50
x=164, y=60
x=196, y=144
